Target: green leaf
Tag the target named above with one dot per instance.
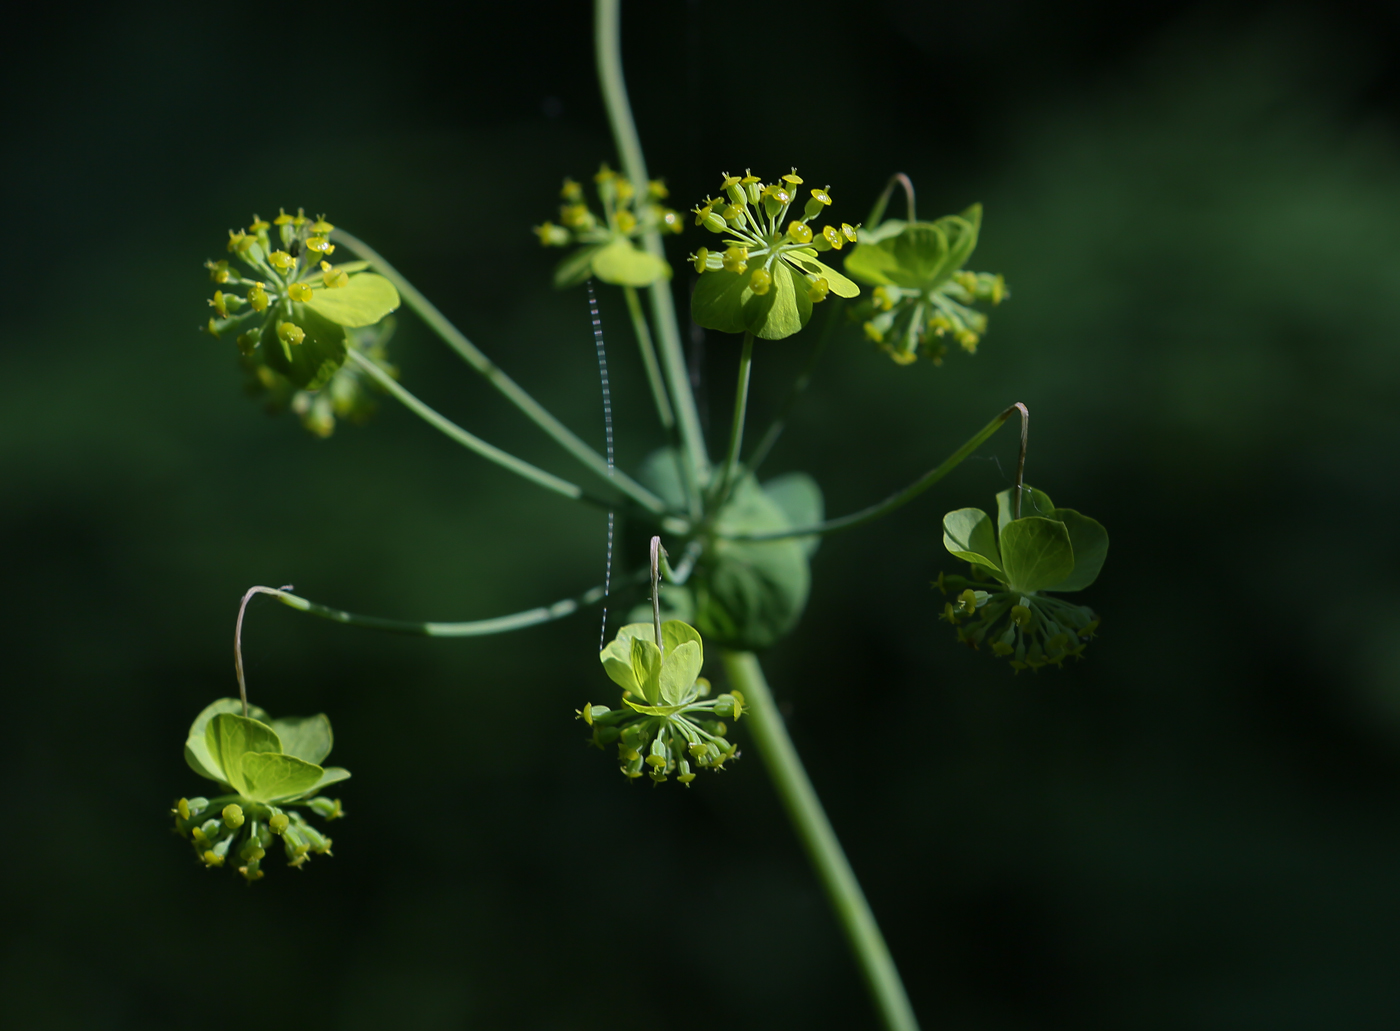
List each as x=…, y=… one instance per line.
x=654, y=710
x=718, y=301
x=800, y=500
x=749, y=594
x=617, y=656
x=576, y=267
x=622, y=264
x=313, y=361
x=1033, y=503
x=306, y=737
x=1036, y=553
x=968, y=535
x=886, y=229
x=1090, y=542
x=661, y=472
x=229, y=737
x=871, y=263
x=723, y=301
x=330, y=775
x=197, y=754
x=839, y=284
x=678, y=672
x=675, y=633
x=920, y=254
x=961, y=231
x=363, y=301
x=646, y=668
x=268, y=776
x=915, y=255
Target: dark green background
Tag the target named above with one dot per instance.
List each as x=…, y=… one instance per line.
x=1197, y=211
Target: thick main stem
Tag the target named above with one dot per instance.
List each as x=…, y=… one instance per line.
x=497, y=377
x=736, y=429
x=607, y=32
x=828, y=859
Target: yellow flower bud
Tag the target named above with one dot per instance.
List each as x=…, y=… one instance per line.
x=218, y=272
x=299, y=292
x=233, y=816
x=333, y=278
x=967, y=601
x=736, y=259
x=319, y=245
x=816, y=293
x=290, y=333
x=760, y=282
x=699, y=258
x=257, y=297
x=656, y=190
x=939, y=324
x=968, y=340
x=732, y=213
x=793, y=178
x=848, y=232
x=218, y=304
x=669, y=219
x=702, y=212
x=301, y=218
x=873, y=333
x=321, y=226
x=576, y=216
x=833, y=236
x=247, y=344
x=212, y=858
x=882, y=298
x=183, y=808
x=281, y=260
x=236, y=241
x=626, y=221
x=733, y=186
x=819, y=200
x=1020, y=615
x=966, y=280
x=799, y=232
x=571, y=192
x=277, y=823
x=282, y=218
x=751, y=186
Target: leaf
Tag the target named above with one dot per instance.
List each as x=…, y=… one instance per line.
x=968, y=535
x=749, y=594
x=229, y=738
x=617, y=656
x=306, y=737
x=330, y=775
x=197, y=755
x=1090, y=542
x=272, y=775
x=646, y=668
x=723, y=301
x=313, y=361
x=920, y=254
x=871, y=263
x=678, y=672
x=363, y=301
x=1033, y=503
x=623, y=264
x=1036, y=552
x=576, y=267
x=718, y=301
x=839, y=284
x=961, y=231
x=675, y=633
x=886, y=229
x=653, y=710
x=800, y=500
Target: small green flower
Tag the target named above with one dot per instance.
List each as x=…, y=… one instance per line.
x=1047, y=549
x=767, y=277
x=267, y=769
x=668, y=724
x=608, y=250
x=922, y=293
x=298, y=316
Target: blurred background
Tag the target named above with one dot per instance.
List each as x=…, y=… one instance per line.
x=1195, y=206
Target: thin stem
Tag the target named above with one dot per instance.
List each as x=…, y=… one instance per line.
x=824, y=851
x=658, y=385
x=894, y=501
x=469, y=440
x=607, y=32
x=736, y=429
x=1021, y=461
x=471, y=628
x=238, y=640
x=878, y=212
x=798, y=388
x=494, y=375
x=657, y=551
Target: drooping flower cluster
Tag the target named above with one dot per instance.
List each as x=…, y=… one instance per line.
x=270, y=771
x=295, y=315
x=766, y=276
x=668, y=724
x=608, y=246
x=922, y=295
x=1047, y=549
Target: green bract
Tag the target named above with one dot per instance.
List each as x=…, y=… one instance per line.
x=267, y=768
x=297, y=316
x=667, y=724
x=608, y=249
x=921, y=289
x=767, y=277
x=1047, y=549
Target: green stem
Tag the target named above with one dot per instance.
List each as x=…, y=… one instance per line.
x=896, y=500
x=809, y=820
x=607, y=31
x=488, y=451
x=536, y=412
x=798, y=388
x=658, y=386
x=736, y=429
x=471, y=628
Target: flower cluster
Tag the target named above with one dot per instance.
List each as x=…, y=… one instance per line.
x=607, y=244
x=765, y=277
x=668, y=723
x=269, y=770
x=922, y=295
x=1046, y=549
x=294, y=316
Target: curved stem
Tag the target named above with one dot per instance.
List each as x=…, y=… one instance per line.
x=896, y=500
x=658, y=386
x=238, y=641
x=878, y=212
x=607, y=32
x=494, y=375
x=813, y=828
x=736, y=429
x=798, y=388
x=471, y=628
x=469, y=440
x=1021, y=461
